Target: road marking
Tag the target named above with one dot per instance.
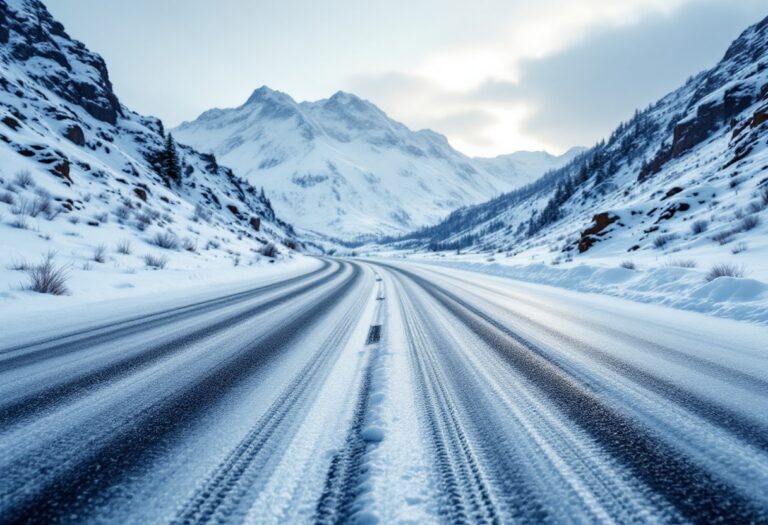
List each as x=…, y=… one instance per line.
x=374, y=334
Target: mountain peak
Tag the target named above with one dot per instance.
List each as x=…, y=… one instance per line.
x=344, y=96
x=349, y=102
x=264, y=93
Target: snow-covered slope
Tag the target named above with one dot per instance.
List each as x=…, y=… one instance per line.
x=80, y=173
x=341, y=167
x=675, y=191
x=698, y=154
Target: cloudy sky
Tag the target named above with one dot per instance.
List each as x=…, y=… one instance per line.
x=495, y=76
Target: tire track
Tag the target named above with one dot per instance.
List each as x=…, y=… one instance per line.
x=705, y=366
x=27, y=354
x=336, y=504
x=340, y=501
x=492, y=473
x=74, y=488
x=57, y=394
x=527, y=452
x=699, y=495
x=228, y=493
x=465, y=493
x=746, y=429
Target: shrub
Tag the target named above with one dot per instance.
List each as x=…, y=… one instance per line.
x=269, y=250
x=155, y=261
x=201, y=213
x=755, y=207
x=764, y=197
x=48, y=278
x=681, y=263
x=21, y=207
x=749, y=222
x=189, y=244
x=725, y=270
x=20, y=222
x=100, y=253
x=52, y=213
x=24, y=179
x=662, y=240
x=723, y=237
x=143, y=220
x=123, y=213
x=41, y=204
x=699, y=227
x=19, y=265
x=629, y=265
x=124, y=247
x=73, y=219
x=7, y=198
x=102, y=218
x=741, y=247
x=166, y=240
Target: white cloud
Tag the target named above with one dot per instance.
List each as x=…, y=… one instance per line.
x=534, y=31
x=560, y=73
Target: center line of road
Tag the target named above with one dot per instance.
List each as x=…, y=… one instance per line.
x=374, y=334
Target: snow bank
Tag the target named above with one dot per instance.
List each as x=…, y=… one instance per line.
x=736, y=298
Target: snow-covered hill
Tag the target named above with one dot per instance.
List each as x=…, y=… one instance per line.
x=678, y=189
x=341, y=167
x=82, y=175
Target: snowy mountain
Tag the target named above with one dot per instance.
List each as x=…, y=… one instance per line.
x=524, y=167
x=685, y=177
x=80, y=172
x=341, y=167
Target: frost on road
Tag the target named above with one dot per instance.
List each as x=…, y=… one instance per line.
x=375, y=391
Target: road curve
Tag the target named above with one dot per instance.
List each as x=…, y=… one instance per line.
x=383, y=391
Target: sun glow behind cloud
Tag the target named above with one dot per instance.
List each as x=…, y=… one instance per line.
x=534, y=32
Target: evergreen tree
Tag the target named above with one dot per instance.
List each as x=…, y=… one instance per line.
x=170, y=167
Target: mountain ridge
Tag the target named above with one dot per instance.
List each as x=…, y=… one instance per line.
x=339, y=166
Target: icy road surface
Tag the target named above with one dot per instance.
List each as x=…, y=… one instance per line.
x=375, y=391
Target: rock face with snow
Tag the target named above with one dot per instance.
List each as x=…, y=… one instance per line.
x=94, y=166
x=686, y=176
x=343, y=168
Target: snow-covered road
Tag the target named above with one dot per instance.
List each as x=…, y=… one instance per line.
x=382, y=391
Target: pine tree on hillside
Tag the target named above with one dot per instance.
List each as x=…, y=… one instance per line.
x=214, y=164
x=170, y=166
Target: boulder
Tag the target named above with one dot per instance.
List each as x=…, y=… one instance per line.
x=590, y=236
x=74, y=134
